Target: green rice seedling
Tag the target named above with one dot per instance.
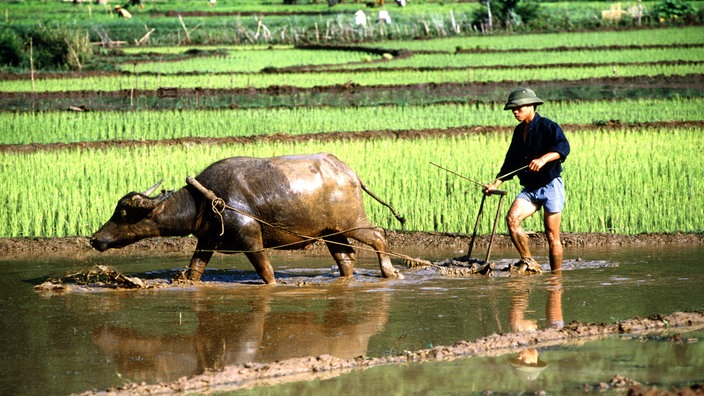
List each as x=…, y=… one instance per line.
x=576, y=57
x=617, y=180
x=669, y=36
x=372, y=77
x=250, y=60
x=66, y=127
x=256, y=58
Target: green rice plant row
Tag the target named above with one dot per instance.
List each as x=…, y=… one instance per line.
x=374, y=77
x=669, y=36
x=249, y=60
x=594, y=58
x=67, y=127
x=256, y=60
x=619, y=181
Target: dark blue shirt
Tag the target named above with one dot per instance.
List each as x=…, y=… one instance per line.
x=544, y=136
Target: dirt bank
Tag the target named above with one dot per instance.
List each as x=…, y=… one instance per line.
x=398, y=241
x=325, y=366
x=349, y=94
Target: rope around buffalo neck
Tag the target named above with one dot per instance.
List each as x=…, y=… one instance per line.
x=219, y=206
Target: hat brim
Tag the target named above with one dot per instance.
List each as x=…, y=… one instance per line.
x=523, y=102
x=528, y=372
x=515, y=362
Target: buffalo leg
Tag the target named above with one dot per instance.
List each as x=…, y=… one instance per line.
x=374, y=237
x=250, y=239
x=198, y=263
x=343, y=254
x=262, y=265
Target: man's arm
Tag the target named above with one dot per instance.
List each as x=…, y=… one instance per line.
x=539, y=162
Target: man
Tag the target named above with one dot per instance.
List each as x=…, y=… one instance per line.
x=537, y=150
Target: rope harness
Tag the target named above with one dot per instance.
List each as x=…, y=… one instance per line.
x=219, y=206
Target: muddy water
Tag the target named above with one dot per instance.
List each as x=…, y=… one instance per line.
x=94, y=339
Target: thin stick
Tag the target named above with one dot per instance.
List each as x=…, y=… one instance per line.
x=31, y=64
x=188, y=35
x=457, y=174
x=474, y=181
x=512, y=172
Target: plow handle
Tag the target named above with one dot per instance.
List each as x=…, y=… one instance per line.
x=496, y=192
x=501, y=194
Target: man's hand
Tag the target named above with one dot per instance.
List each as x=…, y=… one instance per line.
x=492, y=186
x=536, y=164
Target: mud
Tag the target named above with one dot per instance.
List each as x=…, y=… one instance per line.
x=478, y=89
x=398, y=241
x=325, y=366
x=244, y=376
x=99, y=276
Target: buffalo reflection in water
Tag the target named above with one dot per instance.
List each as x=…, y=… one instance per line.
x=336, y=323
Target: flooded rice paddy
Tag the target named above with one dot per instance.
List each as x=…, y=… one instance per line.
x=82, y=340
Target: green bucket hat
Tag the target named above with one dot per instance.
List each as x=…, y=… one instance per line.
x=522, y=97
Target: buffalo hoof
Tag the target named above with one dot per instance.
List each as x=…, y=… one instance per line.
x=486, y=269
x=194, y=273
x=394, y=274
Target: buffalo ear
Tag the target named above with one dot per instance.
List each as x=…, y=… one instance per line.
x=153, y=188
x=158, y=208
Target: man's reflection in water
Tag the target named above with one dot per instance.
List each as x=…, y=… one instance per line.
x=527, y=364
x=553, y=305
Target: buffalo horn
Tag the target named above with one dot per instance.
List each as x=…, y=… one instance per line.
x=138, y=201
x=153, y=188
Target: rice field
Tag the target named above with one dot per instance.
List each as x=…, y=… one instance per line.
x=631, y=180
x=545, y=41
x=246, y=60
x=67, y=127
x=617, y=181
x=308, y=80
x=238, y=21
x=595, y=58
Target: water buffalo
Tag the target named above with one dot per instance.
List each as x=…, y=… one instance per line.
x=282, y=202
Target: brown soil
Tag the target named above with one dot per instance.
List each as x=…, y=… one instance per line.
x=399, y=241
x=325, y=366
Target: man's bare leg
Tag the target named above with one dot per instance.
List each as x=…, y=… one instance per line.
x=552, y=232
x=519, y=211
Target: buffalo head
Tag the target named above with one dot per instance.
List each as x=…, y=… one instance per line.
x=131, y=221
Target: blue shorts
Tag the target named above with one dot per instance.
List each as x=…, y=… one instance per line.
x=550, y=196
